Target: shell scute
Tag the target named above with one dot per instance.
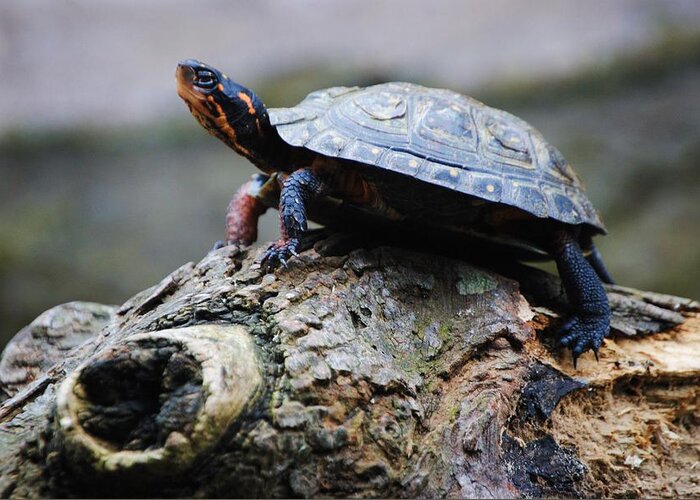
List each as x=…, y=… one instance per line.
x=403, y=162
x=382, y=106
x=529, y=196
x=327, y=142
x=508, y=143
x=435, y=121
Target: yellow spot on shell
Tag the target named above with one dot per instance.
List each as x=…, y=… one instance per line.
x=454, y=172
x=490, y=188
x=375, y=151
x=412, y=163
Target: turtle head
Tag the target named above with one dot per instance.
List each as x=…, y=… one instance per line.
x=226, y=109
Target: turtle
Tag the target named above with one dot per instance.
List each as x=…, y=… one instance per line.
x=405, y=153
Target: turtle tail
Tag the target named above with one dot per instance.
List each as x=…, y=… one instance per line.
x=595, y=259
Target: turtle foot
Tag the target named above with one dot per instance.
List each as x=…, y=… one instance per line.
x=583, y=333
x=279, y=253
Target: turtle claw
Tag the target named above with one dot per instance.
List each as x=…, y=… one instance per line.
x=279, y=253
x=583, y=333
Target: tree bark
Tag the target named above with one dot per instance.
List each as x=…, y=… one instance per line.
x=379, y=372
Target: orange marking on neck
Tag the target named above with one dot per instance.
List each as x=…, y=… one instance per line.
x=231, y=134
x=220, y=87
x=249, y=102
x=227, y=129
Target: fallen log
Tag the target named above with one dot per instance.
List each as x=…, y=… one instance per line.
x=377, y=372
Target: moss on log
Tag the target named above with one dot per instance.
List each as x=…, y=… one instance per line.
x=379, y=372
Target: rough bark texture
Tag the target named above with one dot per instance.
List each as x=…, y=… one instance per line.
x=381, y=372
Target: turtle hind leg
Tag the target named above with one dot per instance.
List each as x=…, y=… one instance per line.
x=589, y=322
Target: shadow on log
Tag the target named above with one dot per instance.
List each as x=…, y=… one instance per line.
x=379, y=372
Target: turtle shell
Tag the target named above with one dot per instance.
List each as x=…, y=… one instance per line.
x=444, y=138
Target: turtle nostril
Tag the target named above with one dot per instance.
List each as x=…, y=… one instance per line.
x=184, y=72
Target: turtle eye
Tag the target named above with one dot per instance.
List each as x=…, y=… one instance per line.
x=205, y=79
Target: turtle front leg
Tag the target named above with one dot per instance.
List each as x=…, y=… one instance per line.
x=244, y=211
x=589, y=323
x=297, y=189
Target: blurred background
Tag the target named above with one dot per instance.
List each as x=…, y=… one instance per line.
x=107, y=183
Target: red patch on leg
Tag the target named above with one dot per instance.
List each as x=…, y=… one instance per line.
x=242, y=217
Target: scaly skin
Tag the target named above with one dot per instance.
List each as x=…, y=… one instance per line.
x=297, y=189
x=590, y=322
